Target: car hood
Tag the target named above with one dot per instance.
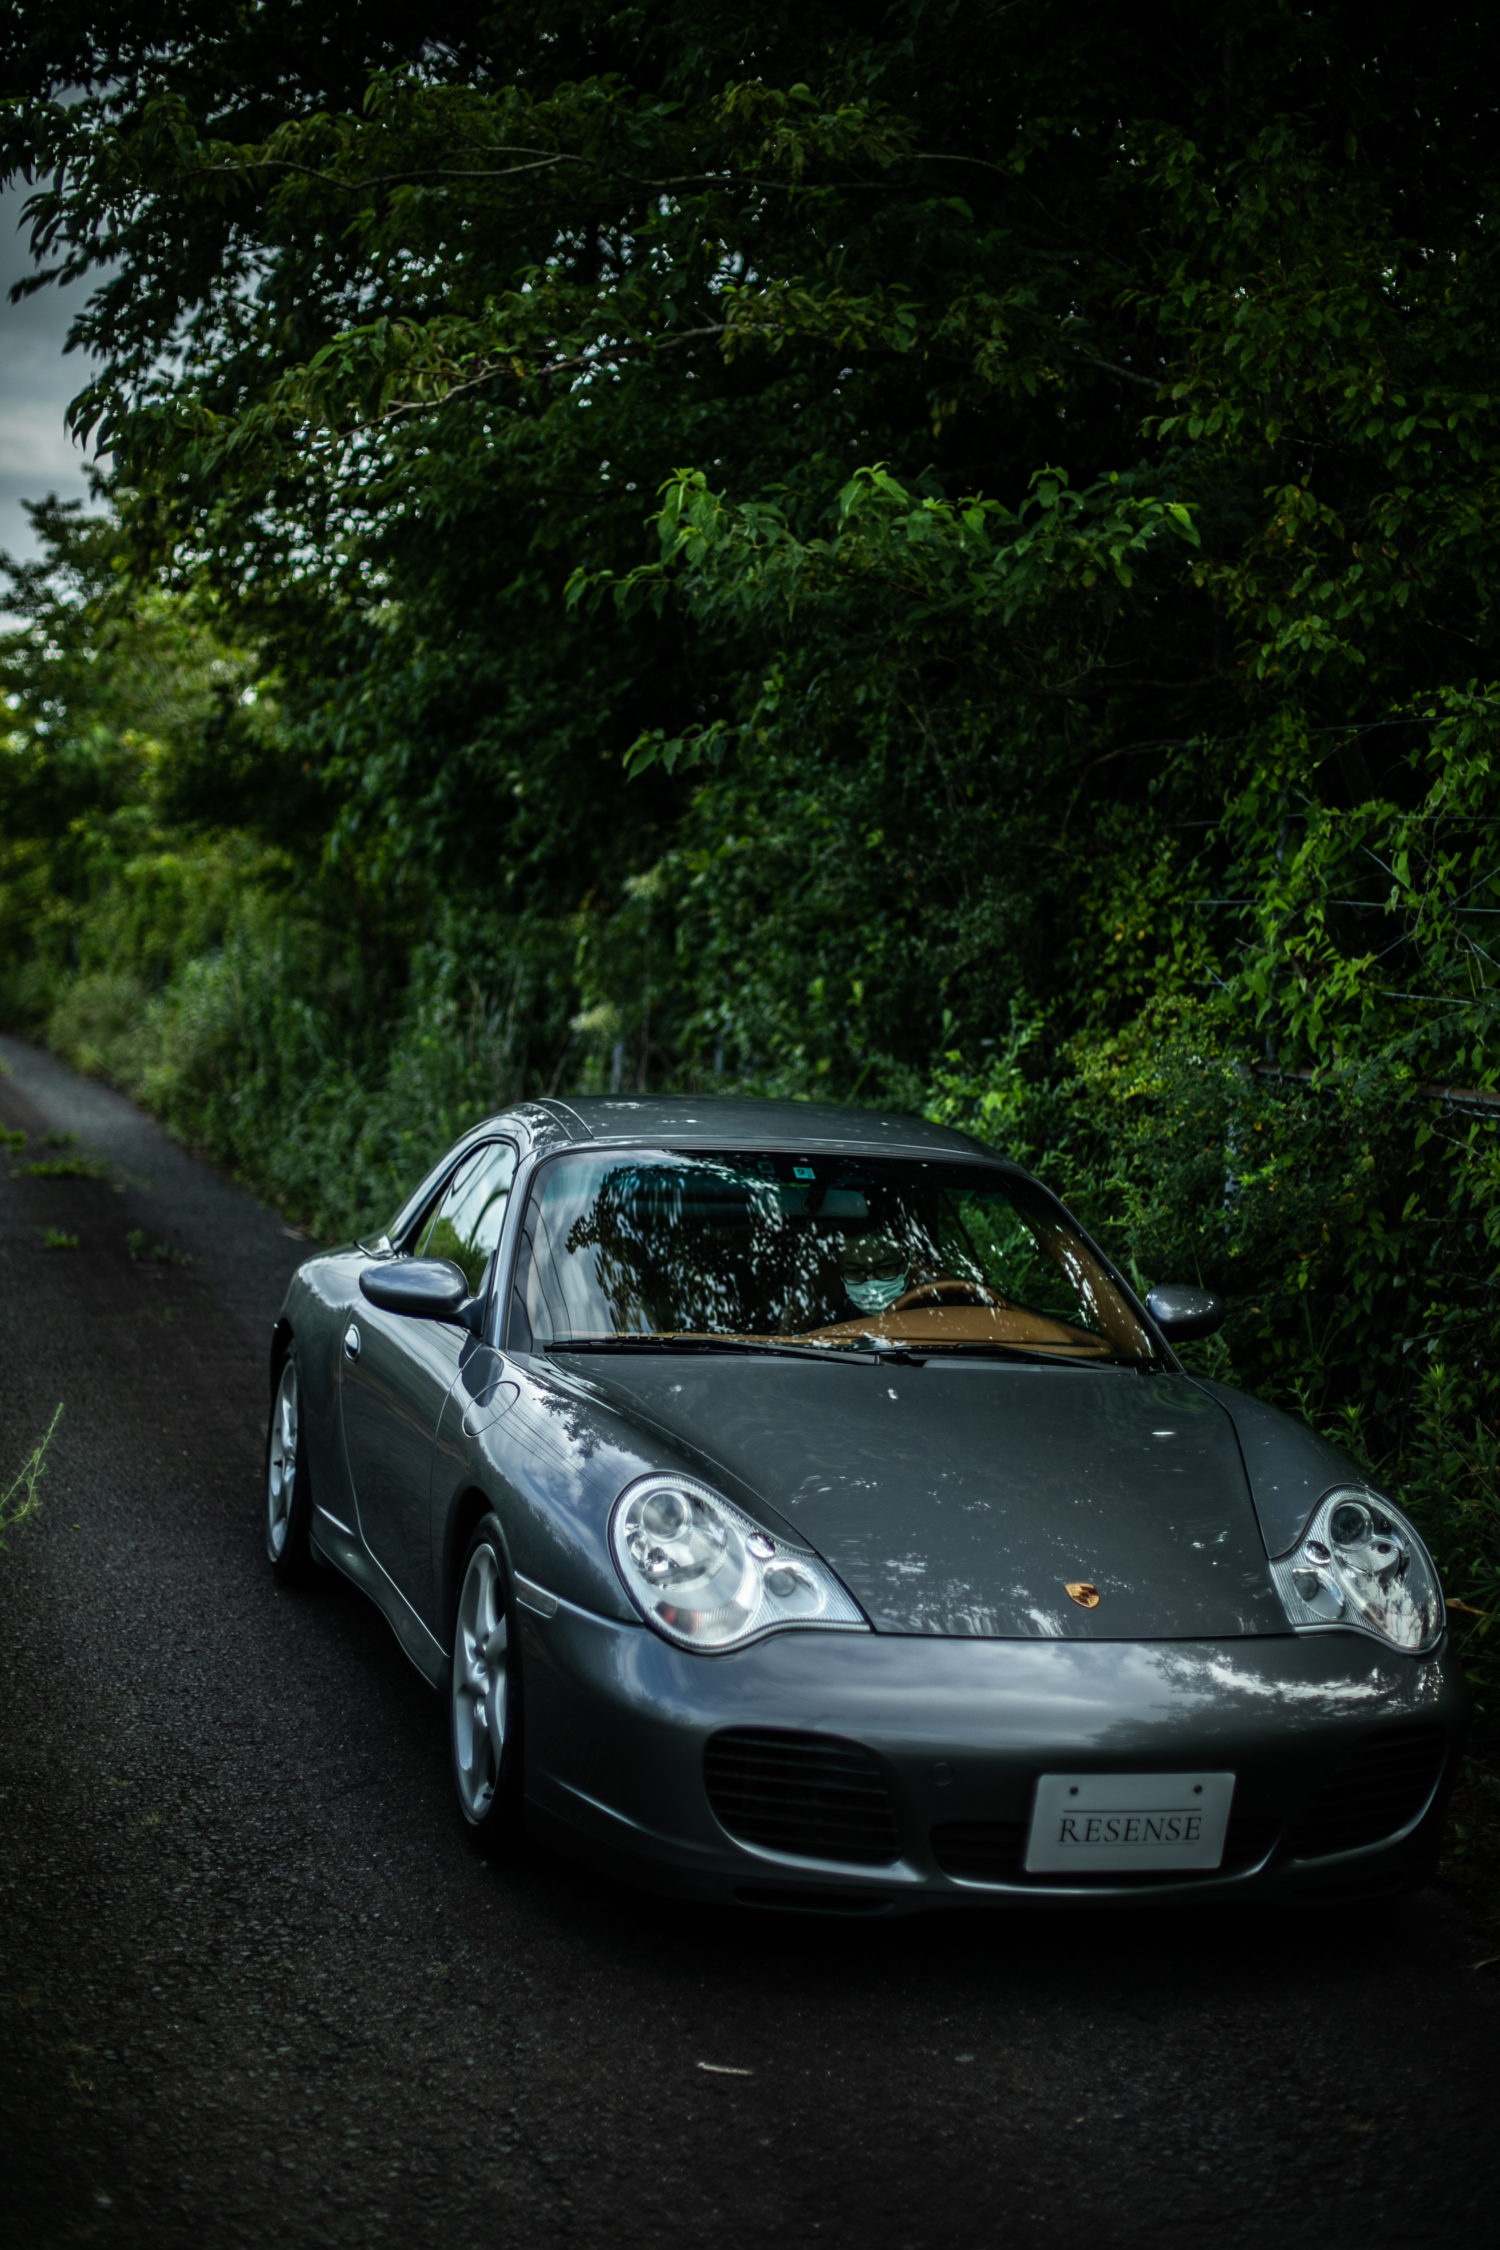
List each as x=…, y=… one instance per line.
x=962, y=1499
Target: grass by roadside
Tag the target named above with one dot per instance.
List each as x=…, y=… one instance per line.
x=21, y=1499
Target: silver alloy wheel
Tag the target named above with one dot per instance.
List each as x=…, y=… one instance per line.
x=281, y=1463
x=481, y=1685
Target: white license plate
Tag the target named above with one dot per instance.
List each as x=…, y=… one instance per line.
x=1083, y=1823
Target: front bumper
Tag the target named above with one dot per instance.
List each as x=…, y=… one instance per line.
x=618, y=1722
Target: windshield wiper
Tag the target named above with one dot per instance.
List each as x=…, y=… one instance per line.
x=871, y=1354
x=848, y=1354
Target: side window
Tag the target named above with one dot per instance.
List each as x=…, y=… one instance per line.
x=465, y=1224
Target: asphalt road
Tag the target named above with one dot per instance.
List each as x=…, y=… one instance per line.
x=256, y=1985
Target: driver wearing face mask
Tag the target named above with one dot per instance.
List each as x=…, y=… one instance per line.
x=876, y=1271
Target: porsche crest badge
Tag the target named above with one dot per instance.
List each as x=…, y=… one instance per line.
x=1080, y=1591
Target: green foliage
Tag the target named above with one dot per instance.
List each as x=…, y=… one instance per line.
x=902, y=585
x=139, y=1248
x=269, y=1052
x=21, y=1499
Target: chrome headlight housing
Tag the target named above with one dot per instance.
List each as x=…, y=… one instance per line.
x=1361, y=1563
x=709, y=1577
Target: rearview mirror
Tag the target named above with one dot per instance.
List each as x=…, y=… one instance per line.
x=1181, y=1314
x=423, y=1289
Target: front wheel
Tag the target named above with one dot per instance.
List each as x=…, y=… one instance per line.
x=485, y=1699
x=288, y=1486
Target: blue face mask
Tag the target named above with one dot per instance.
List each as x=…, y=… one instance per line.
x=876, y=1296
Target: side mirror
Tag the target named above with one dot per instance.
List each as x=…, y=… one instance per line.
x=1182, y=1314
x=423, y=1289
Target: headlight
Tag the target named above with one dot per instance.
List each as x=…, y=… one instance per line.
x=1359, y=1562
x=708, y=1576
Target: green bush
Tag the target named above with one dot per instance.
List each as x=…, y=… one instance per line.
x=95, y=1021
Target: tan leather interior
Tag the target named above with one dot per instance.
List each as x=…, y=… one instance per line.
x=965, y=1324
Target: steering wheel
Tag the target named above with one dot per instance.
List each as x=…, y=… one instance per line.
x=950, y=1290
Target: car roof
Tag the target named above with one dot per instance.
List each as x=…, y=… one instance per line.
x=742, y=1120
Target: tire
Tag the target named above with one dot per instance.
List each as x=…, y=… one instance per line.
x=288, y=1488
x=484, y=1696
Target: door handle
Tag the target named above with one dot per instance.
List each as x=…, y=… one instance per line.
x=351, y=1341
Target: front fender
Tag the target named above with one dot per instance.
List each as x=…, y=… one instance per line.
x=551, y=1462
x=1289, y=1467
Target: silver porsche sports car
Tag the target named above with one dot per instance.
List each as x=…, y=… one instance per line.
x=796, y=1507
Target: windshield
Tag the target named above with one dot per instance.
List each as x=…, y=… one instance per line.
x=836, y=1251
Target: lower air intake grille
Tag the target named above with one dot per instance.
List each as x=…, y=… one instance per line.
x=1371, y=1793
x=980, y=1851
x=812, y=1794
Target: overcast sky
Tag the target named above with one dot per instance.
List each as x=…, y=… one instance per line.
x=36, y=382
